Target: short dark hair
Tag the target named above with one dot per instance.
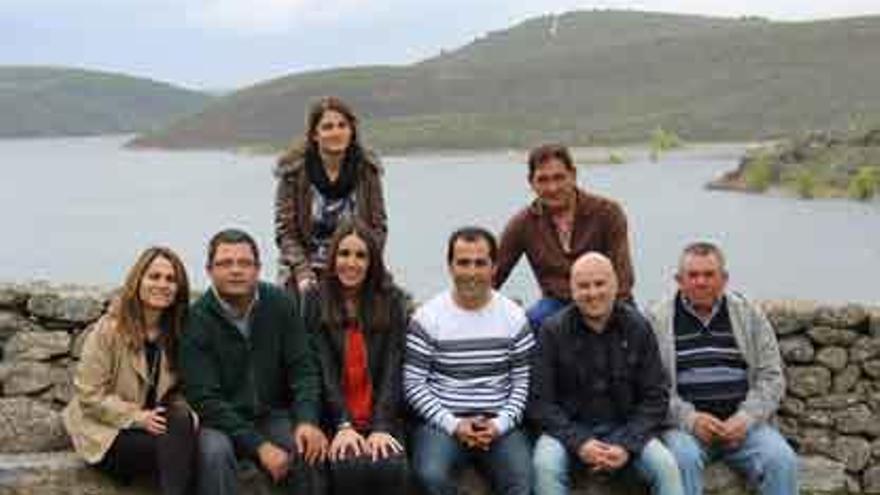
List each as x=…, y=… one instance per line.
x=472, y=233
x=541, y=154
x=231, y=236
x=703, y=248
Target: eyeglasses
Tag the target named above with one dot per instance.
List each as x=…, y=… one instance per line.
x=240, y=263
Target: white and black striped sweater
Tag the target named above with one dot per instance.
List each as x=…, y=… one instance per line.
x=460, y=361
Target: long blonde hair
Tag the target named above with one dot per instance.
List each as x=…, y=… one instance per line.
x=127, y=308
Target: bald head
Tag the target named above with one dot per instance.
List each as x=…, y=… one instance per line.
x=594, y=288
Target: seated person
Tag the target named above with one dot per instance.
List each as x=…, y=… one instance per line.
x=358, y=320
x=599, y=394
x=466, y=375
x=127, y=416
x=250, y=374
x=727, y=380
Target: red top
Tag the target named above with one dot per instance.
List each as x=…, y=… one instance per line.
x=356, y=384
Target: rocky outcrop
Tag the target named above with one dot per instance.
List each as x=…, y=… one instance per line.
x=817, y=164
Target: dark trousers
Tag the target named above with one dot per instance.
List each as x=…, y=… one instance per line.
x=168, y=458
x=219, y=462
x=363, y=475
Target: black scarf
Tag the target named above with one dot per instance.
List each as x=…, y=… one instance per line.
x=345, y=182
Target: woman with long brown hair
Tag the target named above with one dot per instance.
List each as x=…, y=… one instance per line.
x=324, y=178
x=127, y=416
x=359, y=321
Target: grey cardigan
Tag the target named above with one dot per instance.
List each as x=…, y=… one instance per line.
x=757, y=343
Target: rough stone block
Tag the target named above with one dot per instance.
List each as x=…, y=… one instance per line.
x=816, y=441
x=854, y=452
x=13, y=296
x=789, y=316
x=871, y=480
x=857, y=419
x=833, y=358
x=833, y=336
x=68, y=304
x=846, y=379
x=818, y=475
x=37, y=346
x=872, y=368
x=27, y=425
x=808, y=381
x=791, y=406
x=864, y=349
x=797, y=350
x=845, y=316
x=25, y=378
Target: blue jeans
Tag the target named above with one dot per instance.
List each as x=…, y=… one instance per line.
x=765, y=458
x=552, y=464
x=436, y=455
x=543, y=309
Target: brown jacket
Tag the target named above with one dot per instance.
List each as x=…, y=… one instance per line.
x=293, y=213
x=110, y=387
x=599, y=225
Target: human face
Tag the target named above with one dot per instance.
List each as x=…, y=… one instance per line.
x=234, y=270
x=701, y=280
x=554, y=184
x=158, y=285
x=352, y=261
x=594, y=288
x=333, y=133
x=472, y=271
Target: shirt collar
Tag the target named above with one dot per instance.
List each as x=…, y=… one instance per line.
x=716, y=307
x=230, y=312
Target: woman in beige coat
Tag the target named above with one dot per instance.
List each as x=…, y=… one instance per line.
x=126, y=416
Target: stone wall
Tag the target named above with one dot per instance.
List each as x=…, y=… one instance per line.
x=831, y=412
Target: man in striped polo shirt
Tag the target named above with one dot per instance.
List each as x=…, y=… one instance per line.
x=466, y=375
x=726, y=378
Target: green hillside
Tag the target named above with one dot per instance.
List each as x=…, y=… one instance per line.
x=44, y=101
x=583, y=78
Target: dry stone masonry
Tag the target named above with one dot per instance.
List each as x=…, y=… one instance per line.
x=831, y=412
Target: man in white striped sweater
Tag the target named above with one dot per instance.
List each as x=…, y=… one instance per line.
x=466, y=375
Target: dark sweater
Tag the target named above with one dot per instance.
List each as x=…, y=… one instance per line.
x=632, y=394
x=231, y=381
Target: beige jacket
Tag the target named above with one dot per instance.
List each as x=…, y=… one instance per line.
x=110, y=387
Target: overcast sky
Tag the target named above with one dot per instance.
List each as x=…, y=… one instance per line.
x=222, y=44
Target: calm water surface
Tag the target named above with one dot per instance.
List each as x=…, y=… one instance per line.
x=80, y=210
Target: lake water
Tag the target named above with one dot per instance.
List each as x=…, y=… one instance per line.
x=79, y=210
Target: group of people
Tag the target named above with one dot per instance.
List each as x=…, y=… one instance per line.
x=328, y=381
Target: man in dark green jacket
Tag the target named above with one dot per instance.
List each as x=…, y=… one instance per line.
x=249, y=374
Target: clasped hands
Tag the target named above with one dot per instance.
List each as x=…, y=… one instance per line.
x=601, y=456
x=730, y=433
x=477, y=432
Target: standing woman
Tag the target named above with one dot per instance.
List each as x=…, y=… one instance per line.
x=325, y=178
x=126, y=416
x=359, y=321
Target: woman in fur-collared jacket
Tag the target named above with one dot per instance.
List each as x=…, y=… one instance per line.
x=323, y=179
